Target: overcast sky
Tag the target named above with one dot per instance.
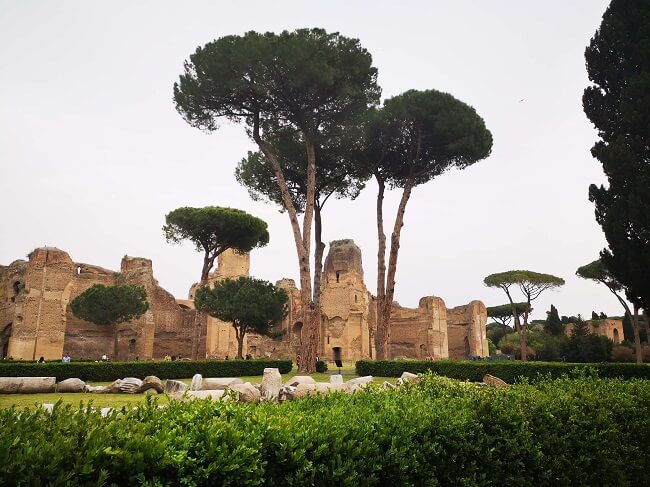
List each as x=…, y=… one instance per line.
x=93, y=153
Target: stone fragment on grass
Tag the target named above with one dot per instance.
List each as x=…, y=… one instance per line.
x=150, y=392
x=214, y=394
x=71, y=385
x=130, y=385
x=494, y=381
x=409, y=377
x=175, y=387
x=27, y=385
x=151, y=382
x=218, y=383
x=336, y=379
x=367, y=379
x=287, y=393
x=197, y=381
x=246, y=392
x=96, y=389
x=388, y=385
x=113, y=388
x=304, y=390
x=271, y=384
x=300, y=379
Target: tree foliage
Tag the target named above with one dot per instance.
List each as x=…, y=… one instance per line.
x=617, y=103
x=413, y=138
x=553, y=324
x=531, y=284
x=250, y=305
x=110, y=305
x=504, y=311
x=598, y=271
x=213, y=230
x=306, y=82
x=580, y=327
x=335, y=174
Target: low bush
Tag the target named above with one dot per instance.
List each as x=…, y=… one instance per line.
x=321, y=366
x=109, y=371
x=506, y=370
x=580, y=432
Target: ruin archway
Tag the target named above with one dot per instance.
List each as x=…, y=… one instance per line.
x=4, y=339
x=617, y=339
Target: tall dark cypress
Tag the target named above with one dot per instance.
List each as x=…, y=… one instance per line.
x=618, y=104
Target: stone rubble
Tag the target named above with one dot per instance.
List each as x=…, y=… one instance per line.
x=271, y=384
x=218, y=383
x=27, y=385
x=152, y=383
x=71, y=385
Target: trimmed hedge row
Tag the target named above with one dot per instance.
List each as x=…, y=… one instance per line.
x=506, y=370
x=583, y=432
x=109, y=371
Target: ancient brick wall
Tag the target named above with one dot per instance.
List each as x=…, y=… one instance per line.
x=344, y=303
x=43, y=325
x=36, y=319
x=466, y=328
x=612, y=329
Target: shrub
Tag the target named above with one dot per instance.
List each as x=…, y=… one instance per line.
x=507, y=370
x=321, y=366
x=621, y=353
x=109, y=371
x=438, y=432
x=588, y=348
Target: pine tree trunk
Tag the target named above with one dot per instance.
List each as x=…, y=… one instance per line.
x=392, y=270
x=116, y=341
x=380, y=327
x=309, y=352
x=302, y=242
x=318, y=277
x=518, y=328
x=646, y=318
x=239, y=334
x=522, y=337
x=637, y=336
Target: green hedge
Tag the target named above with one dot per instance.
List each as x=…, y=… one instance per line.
x=109, y=371
x=506, y=370
x=583, y=432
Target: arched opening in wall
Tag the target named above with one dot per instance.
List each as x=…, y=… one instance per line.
x=296, y=331
x=18, y=288
x=617, y=339
x=78, y=270
x=338, y=276
x=467, y=349
x=132, y=345
x=4, y=339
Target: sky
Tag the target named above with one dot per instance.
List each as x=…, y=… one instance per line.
x=93, y=153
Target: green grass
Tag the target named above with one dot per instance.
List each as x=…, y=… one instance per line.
x=119, y=400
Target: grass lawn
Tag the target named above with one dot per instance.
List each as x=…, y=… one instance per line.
x=119, y=400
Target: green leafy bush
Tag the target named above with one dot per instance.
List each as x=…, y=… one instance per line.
x=439, y=432
x=504, y=369
x=109, y=371
x=321, y=366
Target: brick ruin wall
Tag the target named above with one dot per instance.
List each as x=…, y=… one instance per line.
x=36, y=319
x=43, y=325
